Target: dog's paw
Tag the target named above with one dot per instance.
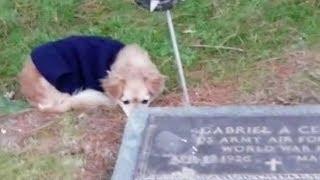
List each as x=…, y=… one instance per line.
x=44, y=107
x=54, y=108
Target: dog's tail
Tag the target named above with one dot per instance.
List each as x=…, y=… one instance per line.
x=81, y=100
x=88, y=99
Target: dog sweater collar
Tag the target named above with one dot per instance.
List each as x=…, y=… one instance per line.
x=76, y=62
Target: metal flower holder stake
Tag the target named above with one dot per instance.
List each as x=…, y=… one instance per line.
x=166, y=5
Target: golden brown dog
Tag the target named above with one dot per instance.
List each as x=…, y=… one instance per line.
x=133, y=81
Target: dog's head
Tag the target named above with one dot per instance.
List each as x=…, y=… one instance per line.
x=133, y=81
x=135, y=92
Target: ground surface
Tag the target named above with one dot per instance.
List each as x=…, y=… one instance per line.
x=234, y=52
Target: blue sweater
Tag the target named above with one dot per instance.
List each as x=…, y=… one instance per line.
x=76, y=62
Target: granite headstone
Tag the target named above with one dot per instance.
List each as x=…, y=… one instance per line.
x=244, y=146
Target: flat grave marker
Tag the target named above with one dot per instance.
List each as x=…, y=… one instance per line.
x=230, y=143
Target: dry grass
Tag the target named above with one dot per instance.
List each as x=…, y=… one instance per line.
x=290, y=79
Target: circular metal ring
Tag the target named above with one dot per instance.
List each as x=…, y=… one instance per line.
x=163, y=5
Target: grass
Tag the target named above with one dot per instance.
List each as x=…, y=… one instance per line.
x=262, y=28
x=35, y=166
x=10, y=107
x=37, y=161
x=234, y=35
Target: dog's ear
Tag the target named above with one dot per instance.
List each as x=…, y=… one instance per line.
x=113, y=86
x=155, y=83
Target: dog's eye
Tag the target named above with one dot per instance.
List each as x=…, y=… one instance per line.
x=144, y=101
x=126, y=102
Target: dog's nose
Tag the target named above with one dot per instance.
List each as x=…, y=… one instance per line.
x=129, y=109
x=127, y=112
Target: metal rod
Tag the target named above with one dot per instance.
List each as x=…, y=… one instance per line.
x=186, y=99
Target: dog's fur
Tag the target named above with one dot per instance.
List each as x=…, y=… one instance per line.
x=132, y=81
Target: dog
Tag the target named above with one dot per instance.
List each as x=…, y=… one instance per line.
x=80, y=72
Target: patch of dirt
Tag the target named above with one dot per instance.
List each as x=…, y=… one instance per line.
x=95, y=135
x=16, y=129
x=291, y=79
x=206, y=95
x=101, y=142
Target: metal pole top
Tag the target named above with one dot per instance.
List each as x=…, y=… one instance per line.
x=157, y=5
